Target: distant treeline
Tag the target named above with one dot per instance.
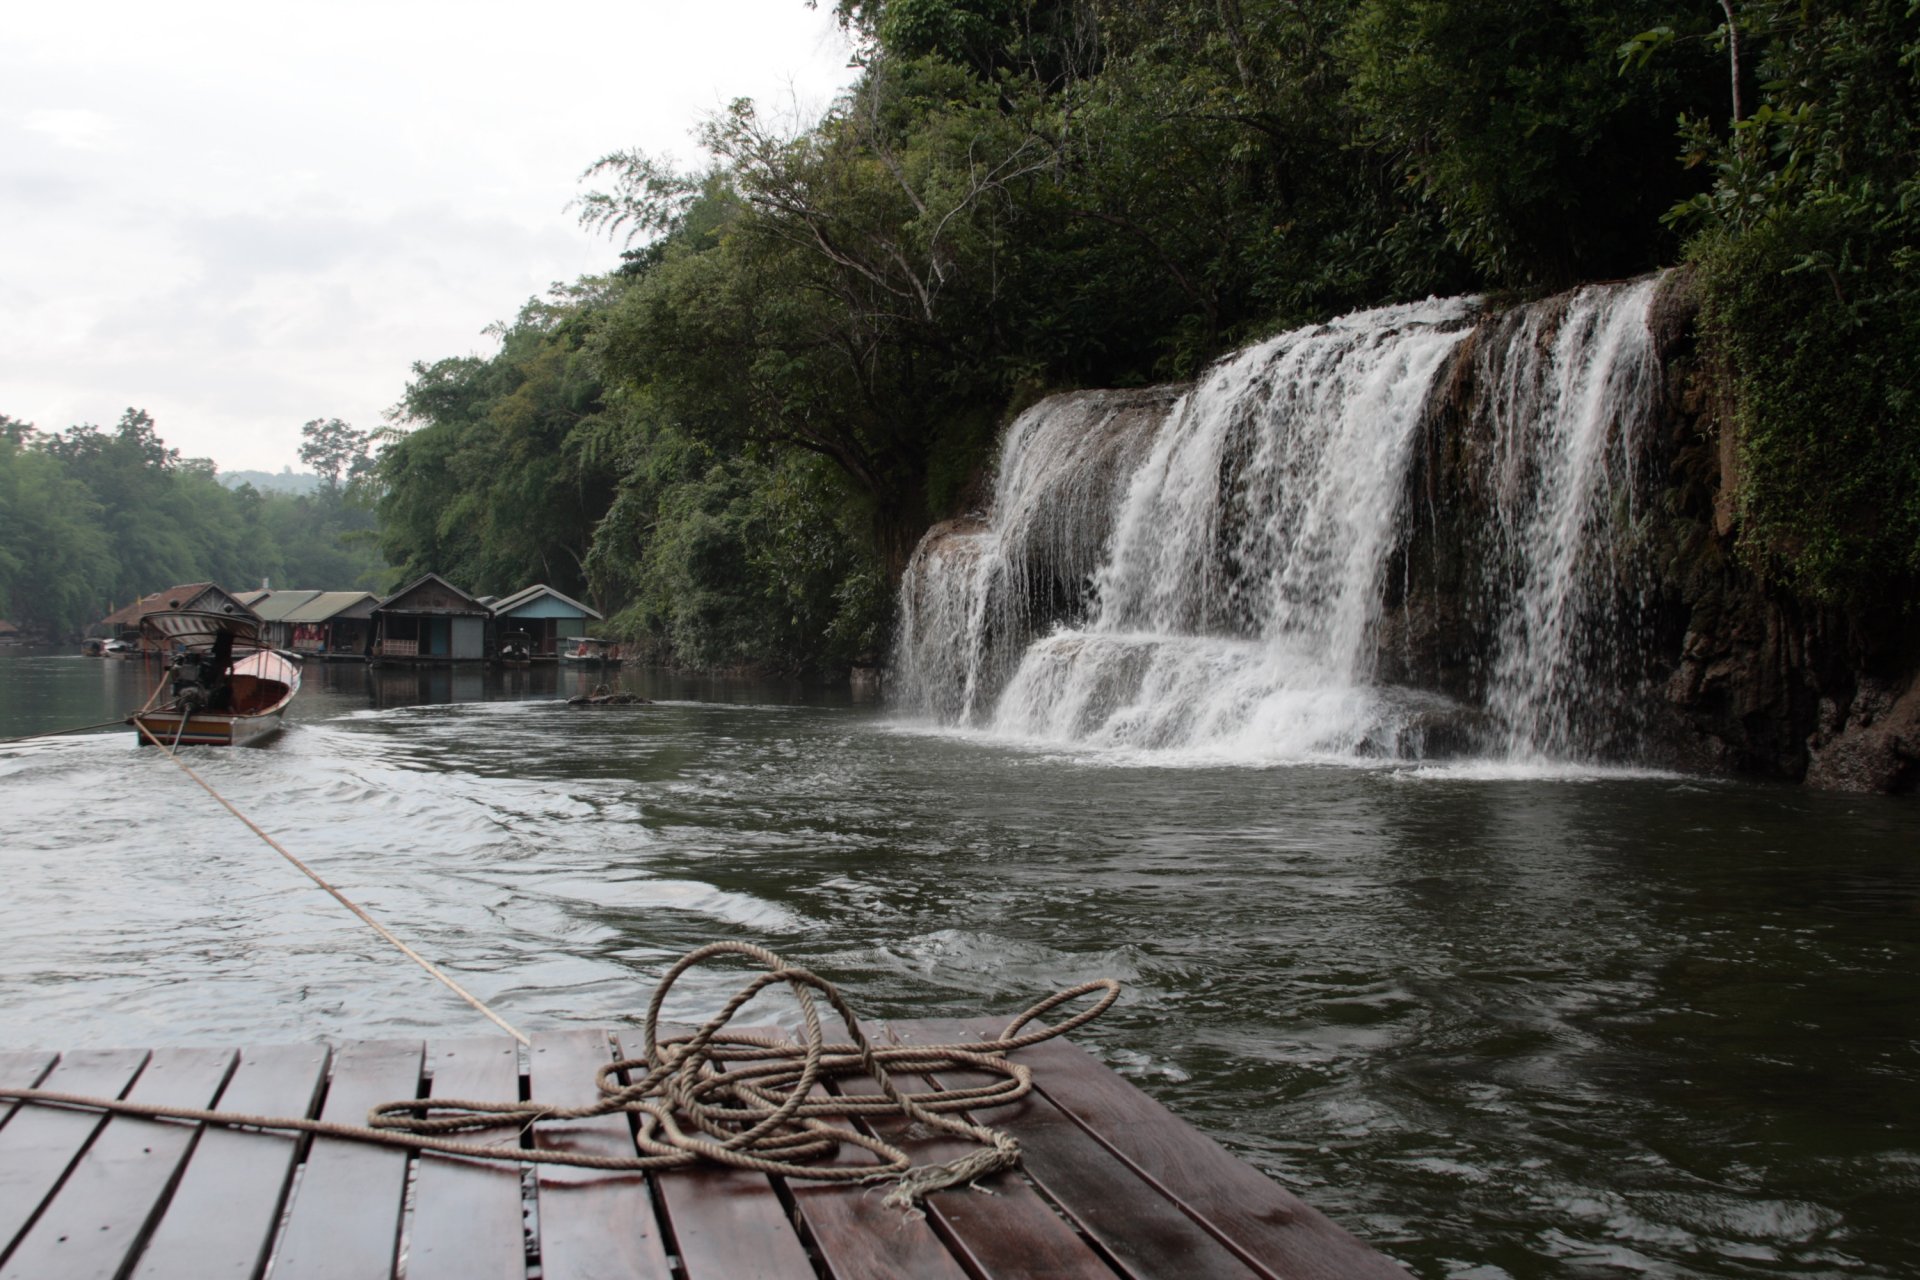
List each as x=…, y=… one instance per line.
x=90, y=520
x=734, y=439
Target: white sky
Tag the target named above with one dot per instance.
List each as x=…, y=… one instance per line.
x=241, y=216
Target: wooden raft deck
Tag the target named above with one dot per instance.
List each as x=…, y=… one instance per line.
x=1113, y=1184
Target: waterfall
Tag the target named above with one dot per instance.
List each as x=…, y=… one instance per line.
x=1202, y=570
x=976, y=590
x=1570, y=385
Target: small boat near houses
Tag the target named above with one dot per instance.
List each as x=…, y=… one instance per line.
x=225, y=685
x=515, y=649
x=590, y=651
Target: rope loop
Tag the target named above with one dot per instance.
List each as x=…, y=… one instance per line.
x=729, y=1098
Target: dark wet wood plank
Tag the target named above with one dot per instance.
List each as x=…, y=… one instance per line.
x=855, y=1236
x=860, y=1238
x=110, y=1200
x=467, y=1215
x=594, y=1225
x=345, y=1221
x=1011, y=1234
x=1256, y=1216
x=22, y=1071
x=729, y=1224
x=1145, y=1235
x=223, y=1214
x=40, y=1144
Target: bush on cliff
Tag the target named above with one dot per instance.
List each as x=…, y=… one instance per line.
x=1811, y=272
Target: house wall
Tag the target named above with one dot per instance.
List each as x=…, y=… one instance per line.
x=468, y=639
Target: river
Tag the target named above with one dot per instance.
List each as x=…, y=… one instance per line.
x=1498, y=1021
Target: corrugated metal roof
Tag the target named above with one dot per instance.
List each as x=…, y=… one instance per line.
x=280, y=605
x=331, y=604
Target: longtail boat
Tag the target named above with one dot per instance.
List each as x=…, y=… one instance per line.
x=226, y=685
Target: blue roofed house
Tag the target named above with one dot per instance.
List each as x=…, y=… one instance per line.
x=545, y=615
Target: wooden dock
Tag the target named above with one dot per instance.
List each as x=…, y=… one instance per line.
x=1112, y=1184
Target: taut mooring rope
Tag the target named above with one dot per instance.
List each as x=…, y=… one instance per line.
x=56, y=733
x=432, y=968
x=729, y=1099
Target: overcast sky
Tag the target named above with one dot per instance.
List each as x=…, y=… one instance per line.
x=239, y=217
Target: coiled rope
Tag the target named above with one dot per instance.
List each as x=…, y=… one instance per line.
x=726, y=1098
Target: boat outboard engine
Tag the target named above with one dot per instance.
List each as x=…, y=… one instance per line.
x=192, y=680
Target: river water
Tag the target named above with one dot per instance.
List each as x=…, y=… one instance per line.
x=1499, y=1022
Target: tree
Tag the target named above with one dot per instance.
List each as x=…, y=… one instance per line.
x=90, y=518
x=1809, y=246
x=508, y=467
x=55, y=559
x=1511, y=119
x=334, y=450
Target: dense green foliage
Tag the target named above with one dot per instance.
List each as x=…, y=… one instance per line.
x=1810, y=247
x=90, y=520
x=511, y=463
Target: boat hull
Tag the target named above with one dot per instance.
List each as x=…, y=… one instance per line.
x=262, y=686
x=207, y=729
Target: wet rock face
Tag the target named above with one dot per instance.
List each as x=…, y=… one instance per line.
x=1871, y=745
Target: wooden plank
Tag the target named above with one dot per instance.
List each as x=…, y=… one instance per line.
x=22, y=1071
x=729, y=1224
x=1257, y=1217
x=855, y=1236
x=40, y=1144
x=594, y=1225
x=345, y=1220
x=1145, y=1234
x=103, y=1211
x=467, y=1218
x=860, y=1238
x=222, y=1217
x=1012, y=1232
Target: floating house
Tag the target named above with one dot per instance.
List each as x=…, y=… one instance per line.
x=273, y=607
x=430, y=620
x=545, y=615
x=335, y=625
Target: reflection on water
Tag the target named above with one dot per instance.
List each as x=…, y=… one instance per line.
x=1500, y=1026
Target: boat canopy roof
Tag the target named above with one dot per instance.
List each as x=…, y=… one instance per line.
x=199, y=628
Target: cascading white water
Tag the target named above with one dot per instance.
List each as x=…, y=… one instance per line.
x=1234, y=604
x=976, y=590
x=1567, y=398
x=1210, y=567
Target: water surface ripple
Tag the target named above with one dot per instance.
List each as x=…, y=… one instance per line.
x=1498, y=1025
